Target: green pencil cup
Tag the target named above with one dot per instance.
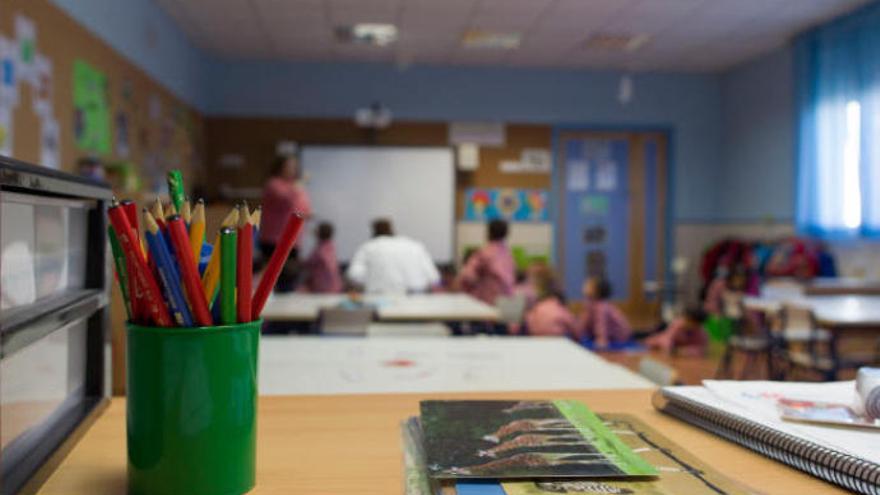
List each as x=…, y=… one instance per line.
x=192, y=409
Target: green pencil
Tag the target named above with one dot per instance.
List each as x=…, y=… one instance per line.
x=175, y=189
x=228, y=241
x=121, y=271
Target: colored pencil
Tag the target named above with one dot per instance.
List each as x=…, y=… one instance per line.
x=189, y=273
x=176, y=189
x=152, y=296
x=276, y=262
x=167, y=271
x=197, y=230
x=170, y=209
x=159, y=213
x=211, y=277
x=245, y=273
x=228, y=267
x=121, y=270
x=186, y=212
x=136, y=294
x=257, y=218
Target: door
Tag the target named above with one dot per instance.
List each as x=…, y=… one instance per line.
x=612, y=207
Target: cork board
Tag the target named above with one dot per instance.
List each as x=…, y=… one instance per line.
x=162, y=131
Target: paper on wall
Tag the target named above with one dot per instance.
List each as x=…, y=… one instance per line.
x=606, y=175
x=536, y=160
x=6, y=134
x=8, y=86
x=480, y=133
x=50, y=143
x=26, y=48
x=42, y=95
x=578, y=176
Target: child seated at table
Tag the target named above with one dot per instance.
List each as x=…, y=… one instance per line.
x=685, y=335
x=549, y=316
x=602, y=325
x=321, y=269
x=527, y=283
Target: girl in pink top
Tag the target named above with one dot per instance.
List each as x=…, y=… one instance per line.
x=549, y=316
x=602, y=323
x=322, y=268
x=490, y=272
x=282, y=197
x=684, y=335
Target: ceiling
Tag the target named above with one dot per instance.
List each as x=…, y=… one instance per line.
x=685, y=35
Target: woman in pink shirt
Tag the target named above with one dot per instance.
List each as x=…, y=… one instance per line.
x=283, y=196
x=602, y=324
x=684, y=335
x=490, y=272
x=322, y=268
x=549, y=316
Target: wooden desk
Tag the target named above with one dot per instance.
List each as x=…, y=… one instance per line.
x=351, y=445
x=416, y=307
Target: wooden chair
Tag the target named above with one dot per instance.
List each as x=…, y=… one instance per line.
x=344, y=321
x=749, y=338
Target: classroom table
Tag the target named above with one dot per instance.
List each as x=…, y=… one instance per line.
x=357, y=365
x=843, y=316
x=350, y=444
x=304, y=307
x=842, y=286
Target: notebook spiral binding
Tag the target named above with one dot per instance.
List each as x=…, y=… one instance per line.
x=837, y=467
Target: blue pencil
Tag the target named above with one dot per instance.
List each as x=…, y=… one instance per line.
x=167, y=272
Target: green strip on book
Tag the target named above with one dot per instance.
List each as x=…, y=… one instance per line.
x=594, y=430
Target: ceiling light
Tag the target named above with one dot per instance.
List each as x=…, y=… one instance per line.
x=367, y=34
x=476, y=38
x=617, y=41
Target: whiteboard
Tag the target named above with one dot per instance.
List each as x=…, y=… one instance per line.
x=350, y=186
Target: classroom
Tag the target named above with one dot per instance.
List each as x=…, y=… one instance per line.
x=439, y=247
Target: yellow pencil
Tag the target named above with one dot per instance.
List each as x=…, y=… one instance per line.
x=196, y=228
x=211, y=277
x=256, y=217
x=158, y=212
x=186, y=212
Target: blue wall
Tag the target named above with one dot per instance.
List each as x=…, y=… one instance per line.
x=758, y=140
x=149, y=38
x=689, y=105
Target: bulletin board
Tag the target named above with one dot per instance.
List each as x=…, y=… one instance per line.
x=74, y=96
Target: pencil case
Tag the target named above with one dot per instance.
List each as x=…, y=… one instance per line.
x=192, y=409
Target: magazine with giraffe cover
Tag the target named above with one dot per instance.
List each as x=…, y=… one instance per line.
x=523, y=439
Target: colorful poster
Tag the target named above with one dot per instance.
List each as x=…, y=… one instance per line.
x=91, y=109
x=519, y=205
x=42, y=95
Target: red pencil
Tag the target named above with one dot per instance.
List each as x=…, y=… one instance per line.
x=188, y=271
x=244, y=265
x=276, y=262
x=138, y=308
x=127, y=240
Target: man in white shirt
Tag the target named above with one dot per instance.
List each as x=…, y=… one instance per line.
x=390, y=264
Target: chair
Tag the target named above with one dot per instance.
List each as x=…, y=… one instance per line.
x=659, y=373
x=750, y=338
x=511, y=309
x=800, y=343
x=344, y=321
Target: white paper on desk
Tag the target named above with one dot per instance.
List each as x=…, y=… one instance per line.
x=756, y=400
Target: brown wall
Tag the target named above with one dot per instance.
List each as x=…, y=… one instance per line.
x=255, y=139
x=176, y=137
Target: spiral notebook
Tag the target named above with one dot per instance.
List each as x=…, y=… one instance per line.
x=746, y=413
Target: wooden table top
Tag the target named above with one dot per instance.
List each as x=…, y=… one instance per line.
x=344, y=444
